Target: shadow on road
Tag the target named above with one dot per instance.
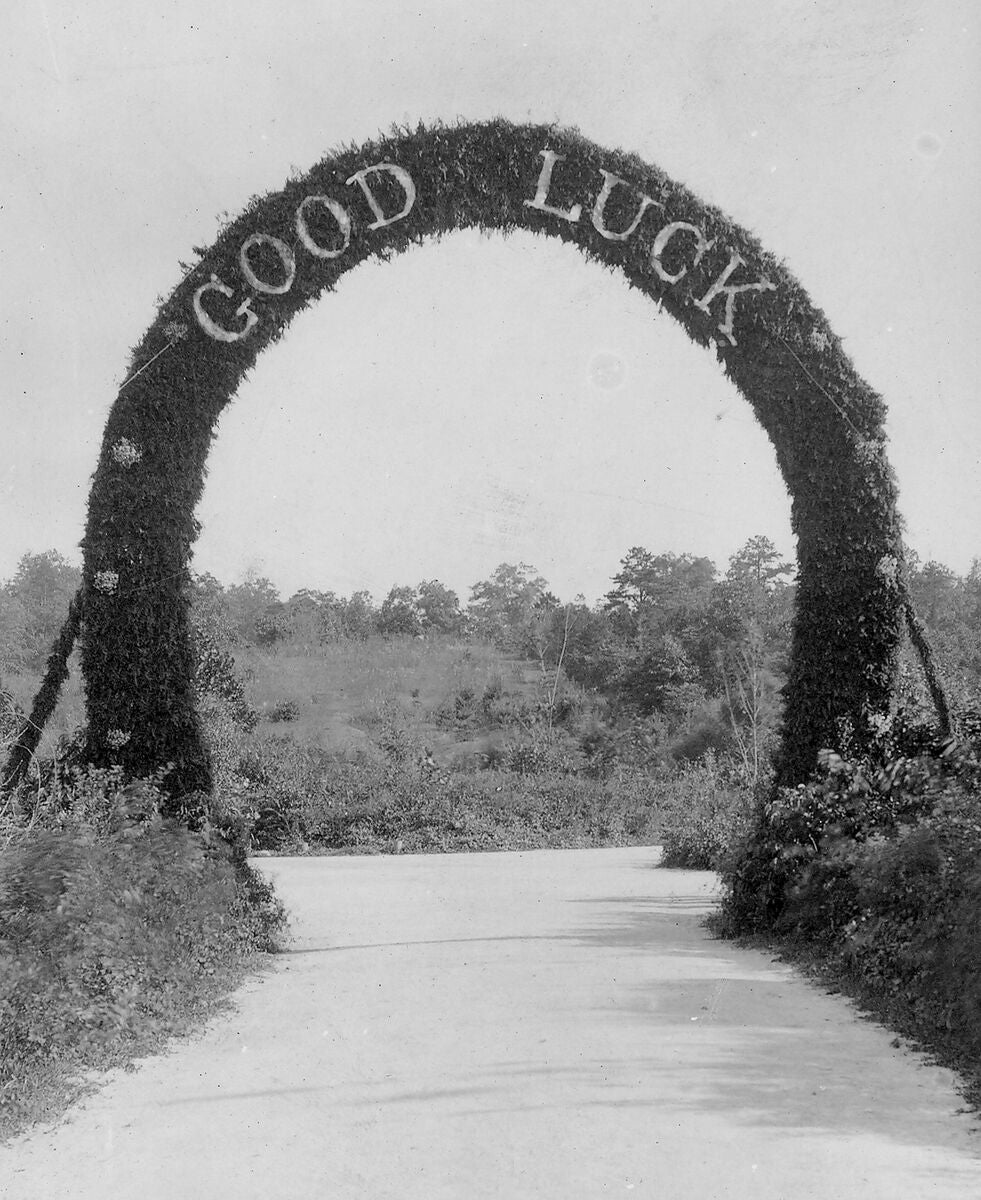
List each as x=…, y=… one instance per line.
x=741, y=1033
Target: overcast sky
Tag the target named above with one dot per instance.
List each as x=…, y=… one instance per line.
x=482, y=399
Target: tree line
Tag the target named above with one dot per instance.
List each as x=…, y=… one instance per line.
x=673, y=638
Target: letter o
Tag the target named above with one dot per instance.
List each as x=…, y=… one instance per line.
x=337, y=211
x=285, y=255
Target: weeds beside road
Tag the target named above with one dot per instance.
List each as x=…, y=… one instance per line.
x=118, y=930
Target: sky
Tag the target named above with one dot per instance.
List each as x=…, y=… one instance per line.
x=483, y=399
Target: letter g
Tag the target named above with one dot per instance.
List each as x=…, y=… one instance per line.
x=212, y=328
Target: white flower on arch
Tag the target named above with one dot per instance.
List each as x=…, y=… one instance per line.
x=107, y=581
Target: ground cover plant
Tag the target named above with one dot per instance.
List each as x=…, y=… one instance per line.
x=119, y=928
x=871, y=874
x=705, y=807
x=297, y=799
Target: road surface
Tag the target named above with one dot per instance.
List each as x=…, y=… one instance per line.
x=551, y=1024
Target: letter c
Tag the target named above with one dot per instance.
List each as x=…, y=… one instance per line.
x=702, y=246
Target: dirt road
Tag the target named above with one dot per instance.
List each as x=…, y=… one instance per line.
x=518, y=1026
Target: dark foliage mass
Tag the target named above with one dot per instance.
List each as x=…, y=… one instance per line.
x=826, y=425
x=872, y=867
x=118, y=929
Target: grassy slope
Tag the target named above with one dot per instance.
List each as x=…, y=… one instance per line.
x=342, y=691
x=355, y=697
x=339, y=690
x=327, y=781
x=69, y=714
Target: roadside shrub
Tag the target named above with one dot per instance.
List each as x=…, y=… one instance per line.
x=118, y=927
x=705, y=807
x=916, y=930
x=303, y=798
x=799, y=842
x=273, y=779
x=875, y=864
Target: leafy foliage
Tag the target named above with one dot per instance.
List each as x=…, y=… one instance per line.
x=706, y=805
x=503, y=608
x=875, y=862
x=33, y=607
x=300, y=798
x=215, y=678
x=118, y=927
x=399, y=613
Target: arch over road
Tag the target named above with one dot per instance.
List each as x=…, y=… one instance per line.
x=287, y=248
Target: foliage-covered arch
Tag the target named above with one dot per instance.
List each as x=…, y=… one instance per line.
x=825, y=423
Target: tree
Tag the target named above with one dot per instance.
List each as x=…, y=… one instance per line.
x=272, y=625
x=751, y=617
x=752, y=692
x=358, y=616
x=210, y=615
x=594, y=653
x=658, y=580
x=660, y=679
x=307, y=618
x=332, y=617
x=255, y=610
x=439, y=607
x=937, y=595
x=758, y=563
x=757, y=600
x=502, y=608
x=559, y=623
x=399, y=613
x=949, y=608
x=659, y=595
x=40, y=592
x=15, y=640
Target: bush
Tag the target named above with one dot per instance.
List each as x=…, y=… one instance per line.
x=705, y=808
x=284, y=710
x=11, y=721
x=495, y=708
x=216, y=680
x=874, y=863
x=118, y=927
x=300, y=797
x=801, y=838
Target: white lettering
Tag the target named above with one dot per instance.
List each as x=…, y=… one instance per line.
x=660, y=243
x=540, y=201
x=285, y=256
x=210, y=327
x=404, y=178
x=609, y=183
x=337, y=211
x=731, y=291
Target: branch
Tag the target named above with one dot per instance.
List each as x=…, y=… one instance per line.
x=22, y=752
x=918, y=636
